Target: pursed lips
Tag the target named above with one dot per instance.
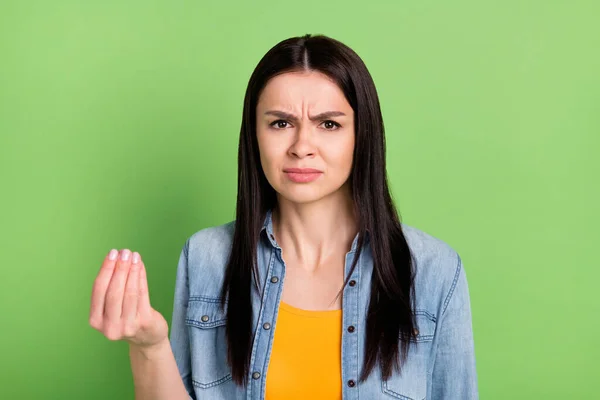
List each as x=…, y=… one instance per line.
x=302, y=170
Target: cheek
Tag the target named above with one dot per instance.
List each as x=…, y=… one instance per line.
x=268, y=155
x=342, y=153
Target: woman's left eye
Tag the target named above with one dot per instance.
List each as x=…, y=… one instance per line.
x=331, y=125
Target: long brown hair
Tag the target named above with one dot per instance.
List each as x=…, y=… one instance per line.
x=390, y=318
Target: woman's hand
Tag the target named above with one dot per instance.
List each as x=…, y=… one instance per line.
x=120, y=306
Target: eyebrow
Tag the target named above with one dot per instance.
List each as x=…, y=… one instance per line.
x=292, y=117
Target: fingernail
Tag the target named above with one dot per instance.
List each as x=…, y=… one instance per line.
x=136, y=257
x=113, y=255
x=125, y=255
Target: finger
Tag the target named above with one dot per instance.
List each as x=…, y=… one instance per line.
x=99, y=289
x=114, y=295
x=144, y=307
x=130, y=301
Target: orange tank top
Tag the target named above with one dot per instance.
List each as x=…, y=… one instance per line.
x=305, y=360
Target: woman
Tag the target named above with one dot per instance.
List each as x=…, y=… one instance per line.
x=341, y=300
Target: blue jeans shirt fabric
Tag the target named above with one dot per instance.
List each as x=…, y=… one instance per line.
x=440, y=363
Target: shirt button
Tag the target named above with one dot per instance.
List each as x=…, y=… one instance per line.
x=352, y=282
x=351, y=328
x=351, y=383
x=255, y=375
x=267, y=325
x=416, y=331
x=274, y=279
x=204, y=318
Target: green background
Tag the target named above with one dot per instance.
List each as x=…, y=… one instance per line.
x=119, y=123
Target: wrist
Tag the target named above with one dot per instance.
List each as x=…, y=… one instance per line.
x=150, y=351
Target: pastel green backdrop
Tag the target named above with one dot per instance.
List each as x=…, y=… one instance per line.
x=119, y=124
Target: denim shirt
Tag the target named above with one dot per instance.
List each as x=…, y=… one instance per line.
x=441, y=360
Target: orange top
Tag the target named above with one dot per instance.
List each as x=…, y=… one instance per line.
x=306, y=356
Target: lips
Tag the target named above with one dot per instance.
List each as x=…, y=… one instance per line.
x=301, y=170
x=302, y=175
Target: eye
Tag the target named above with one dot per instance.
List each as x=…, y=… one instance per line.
x=278, y=124
x=282, y=124
x=331, y=124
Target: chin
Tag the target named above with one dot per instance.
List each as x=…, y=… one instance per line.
x=301, y=196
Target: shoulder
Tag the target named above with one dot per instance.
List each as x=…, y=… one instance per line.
x=211, y=240
x=438, y=267
x=430, y=250
x=207, y=254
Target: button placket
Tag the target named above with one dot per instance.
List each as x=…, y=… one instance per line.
x=264, y=332
x=350, y=342
x=351, y=328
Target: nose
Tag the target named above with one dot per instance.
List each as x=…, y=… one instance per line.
x=303, y=145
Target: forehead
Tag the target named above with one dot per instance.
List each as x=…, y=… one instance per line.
x=302, y=88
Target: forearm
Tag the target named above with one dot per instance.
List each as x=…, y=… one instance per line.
x=155, y=373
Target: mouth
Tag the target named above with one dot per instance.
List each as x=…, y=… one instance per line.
x=302, y=175
x=302, y=170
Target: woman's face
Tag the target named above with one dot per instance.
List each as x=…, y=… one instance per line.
x=304, y=121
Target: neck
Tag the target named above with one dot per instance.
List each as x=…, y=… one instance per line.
x=312, y=233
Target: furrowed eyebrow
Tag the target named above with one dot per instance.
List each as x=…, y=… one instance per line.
x=292, y=117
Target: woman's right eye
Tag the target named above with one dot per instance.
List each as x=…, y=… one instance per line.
x=278, y=124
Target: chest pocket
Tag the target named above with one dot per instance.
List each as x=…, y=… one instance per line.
x=411, y=383
x=208, y=346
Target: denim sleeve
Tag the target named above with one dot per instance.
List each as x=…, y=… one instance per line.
x=179, y=334
x=454, y=372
